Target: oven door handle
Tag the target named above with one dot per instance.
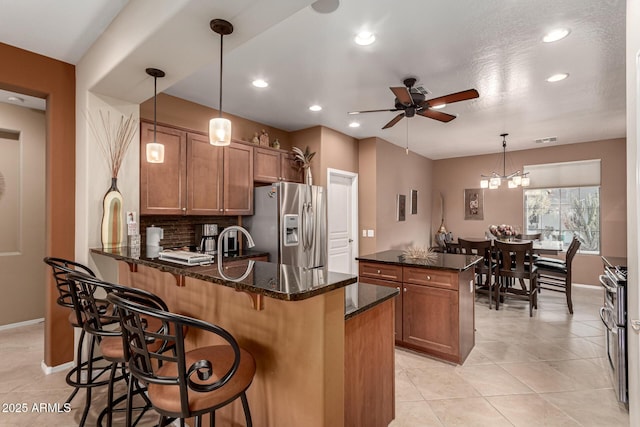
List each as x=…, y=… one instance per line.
x=605, y=319
x=604, y=281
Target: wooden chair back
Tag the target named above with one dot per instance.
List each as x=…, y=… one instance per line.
x=513, y=259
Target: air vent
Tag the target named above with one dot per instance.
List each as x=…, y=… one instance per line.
x=546, y=140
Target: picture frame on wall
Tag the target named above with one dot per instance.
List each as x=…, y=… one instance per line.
x=473, y=204
x=401, y=207
x=414, y=202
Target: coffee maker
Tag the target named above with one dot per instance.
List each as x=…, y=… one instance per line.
x=207, y=238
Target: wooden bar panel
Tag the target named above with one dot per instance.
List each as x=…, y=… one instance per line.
x=369, y=388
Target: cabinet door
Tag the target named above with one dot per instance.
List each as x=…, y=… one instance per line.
x=430, y=318
x=266, y=165
x=397, y=299
x=289, y=169
x=204, y=176
x=163, y=186
x=238, y=179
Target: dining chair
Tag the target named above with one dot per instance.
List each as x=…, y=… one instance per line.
x=512, y=264
x=482, y=269
x=555, y=274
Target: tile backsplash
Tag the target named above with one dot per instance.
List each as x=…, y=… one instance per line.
x=178, y=229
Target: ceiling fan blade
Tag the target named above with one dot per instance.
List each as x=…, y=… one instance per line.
x=452, y=97
x=372, y=111
x=437, y=115
x=402, y=93
x=393, y=121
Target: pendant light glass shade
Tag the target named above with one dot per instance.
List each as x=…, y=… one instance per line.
x=220, y=131
x=219, y=128
x=514, y=180
x=155, y=150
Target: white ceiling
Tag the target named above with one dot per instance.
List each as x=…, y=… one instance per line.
x=309, y=57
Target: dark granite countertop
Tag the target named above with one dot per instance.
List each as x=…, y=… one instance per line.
x=442, y=261
x=366, y=297
x=612, y=261
x=277, y=281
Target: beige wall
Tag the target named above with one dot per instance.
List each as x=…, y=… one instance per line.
x=452, y=176
x=338, y=151
x=22, y=213
x=189, y=115
x=312, y=138
x=386, y=171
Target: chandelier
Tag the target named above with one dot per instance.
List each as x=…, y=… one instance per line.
x=514, y=180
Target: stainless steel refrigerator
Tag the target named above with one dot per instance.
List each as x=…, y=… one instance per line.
x=290, y=222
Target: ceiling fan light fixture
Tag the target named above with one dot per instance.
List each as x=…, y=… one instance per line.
x=155, y=150
x=557, y=77
x=365, y=38
x=260, y=83
x=555, y=35
x=438, y=107
x=315, y=107
x=220, y=128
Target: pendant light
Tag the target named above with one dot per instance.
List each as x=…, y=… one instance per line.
x=155, y=150
x=219, y=128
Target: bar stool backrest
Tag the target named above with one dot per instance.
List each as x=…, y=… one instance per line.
x=61, y=269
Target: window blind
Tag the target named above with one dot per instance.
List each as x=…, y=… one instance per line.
x=581, y=173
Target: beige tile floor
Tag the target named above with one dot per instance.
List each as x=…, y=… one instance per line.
x=548, y=370
x=542, y=371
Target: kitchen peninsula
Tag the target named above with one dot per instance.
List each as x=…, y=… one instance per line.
x=310, y=352
x=434, y=312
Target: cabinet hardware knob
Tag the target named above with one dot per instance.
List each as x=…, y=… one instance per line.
x=398, y=287
x=220, y=209
x=378, y=271
x=405, y=289
x=428, y=277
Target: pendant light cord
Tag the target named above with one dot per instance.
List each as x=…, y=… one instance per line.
x=155, y=97
x=220, y=108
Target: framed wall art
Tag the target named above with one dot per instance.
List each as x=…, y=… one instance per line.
x=473, y=204
x=414, y=202
x=401, y=207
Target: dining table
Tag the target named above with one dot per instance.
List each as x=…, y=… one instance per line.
x=541, y=247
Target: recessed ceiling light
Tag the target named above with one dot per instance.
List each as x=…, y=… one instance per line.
x=315, y=108
x=354, y=125
x=260, y=83
x=15, y=99
x=555, y=35
x=365, y=38
x=557, y=77
x=438, y=106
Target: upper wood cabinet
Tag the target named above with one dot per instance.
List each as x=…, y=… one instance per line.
x=272, y=165
x=163, y=186
x=196, y=177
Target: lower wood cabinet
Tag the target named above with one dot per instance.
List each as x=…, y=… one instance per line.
x=435, y=308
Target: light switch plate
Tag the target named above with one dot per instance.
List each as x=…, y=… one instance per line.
x=364, y=233
x=369, y=233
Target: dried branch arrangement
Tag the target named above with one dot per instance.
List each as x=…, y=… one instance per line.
x=114, y=138
x=416, y=253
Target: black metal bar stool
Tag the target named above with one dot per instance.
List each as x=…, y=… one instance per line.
x=83, y=290
x=88, y=372
x=183, y=384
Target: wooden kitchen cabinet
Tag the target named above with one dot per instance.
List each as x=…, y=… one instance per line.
x=196, y=178
x=272, y=165
x=163, y=186
x=435, y=308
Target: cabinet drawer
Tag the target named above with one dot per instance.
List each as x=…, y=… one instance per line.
x=423, y=276
x=381, y=271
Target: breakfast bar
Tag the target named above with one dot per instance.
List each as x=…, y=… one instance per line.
x=309, y=348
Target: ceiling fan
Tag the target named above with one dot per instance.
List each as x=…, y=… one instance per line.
x=411, y=101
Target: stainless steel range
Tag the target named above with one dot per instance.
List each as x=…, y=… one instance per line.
x=614, y=316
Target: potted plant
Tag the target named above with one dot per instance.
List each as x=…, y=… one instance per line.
x=303, y=159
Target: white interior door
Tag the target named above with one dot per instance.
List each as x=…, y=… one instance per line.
x=342, y=219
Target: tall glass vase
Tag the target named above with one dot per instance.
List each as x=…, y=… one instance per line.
x=112, y=217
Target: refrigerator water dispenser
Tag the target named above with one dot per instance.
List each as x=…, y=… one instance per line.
x=291, y=230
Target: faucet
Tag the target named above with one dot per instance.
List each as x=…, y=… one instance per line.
x=250, y=242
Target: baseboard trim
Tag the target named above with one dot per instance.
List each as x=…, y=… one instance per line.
x=19, y=324
x=48, y=370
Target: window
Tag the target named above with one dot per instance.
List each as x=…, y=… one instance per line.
x=561, y=213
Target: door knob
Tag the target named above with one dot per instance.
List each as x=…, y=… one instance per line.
x=350, y=240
